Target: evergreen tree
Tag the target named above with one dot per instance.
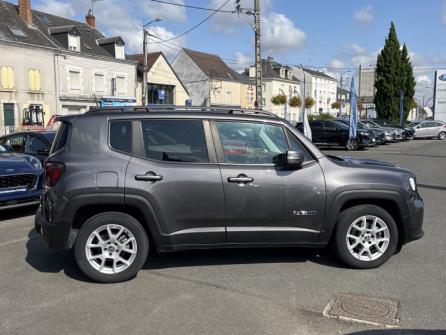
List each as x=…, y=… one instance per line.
x=408, y=81
x=388, y=78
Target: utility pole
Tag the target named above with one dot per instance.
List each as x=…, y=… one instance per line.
x=144, y=71
x=258, y=53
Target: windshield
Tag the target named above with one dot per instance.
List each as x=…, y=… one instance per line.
x=2, y=149
x=413, y=124
x=50, y=136
x=340, y=124
x=372, y=124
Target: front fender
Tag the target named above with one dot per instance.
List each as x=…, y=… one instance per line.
x=361, y=196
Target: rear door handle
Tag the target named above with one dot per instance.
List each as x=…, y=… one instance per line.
x=149, y=176
x=240, y=179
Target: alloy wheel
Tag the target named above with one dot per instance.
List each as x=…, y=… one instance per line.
x=111, y=249
x=368, y=238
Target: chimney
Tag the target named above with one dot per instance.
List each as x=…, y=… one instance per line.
x=90, y=19
x=25, y=12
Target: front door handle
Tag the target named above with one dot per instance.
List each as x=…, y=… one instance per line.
x=241, y=179
x=149, y=177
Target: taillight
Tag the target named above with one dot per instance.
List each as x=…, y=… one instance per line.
x=53, y=172
x=444, y=126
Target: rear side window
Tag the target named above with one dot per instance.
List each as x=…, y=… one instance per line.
x=121, y=136
x=316, y=125
x=61, y=138
x=175, y=140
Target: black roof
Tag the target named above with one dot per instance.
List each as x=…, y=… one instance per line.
x=46, y=26
x=318, y=74
x=271, y=70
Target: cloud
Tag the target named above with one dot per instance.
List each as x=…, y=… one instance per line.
x=279, y=34
x=364, y=15
x=164, y=11
x=55, y=7
x=423, y=79
x=242, y=61
x=336, y=63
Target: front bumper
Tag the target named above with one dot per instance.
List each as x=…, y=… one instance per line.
x=56, y=236
x=414, y=221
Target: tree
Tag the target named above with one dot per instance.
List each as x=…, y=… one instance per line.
x=336, y=105
x=407, y=81
x=278, y=100
x=388, y=77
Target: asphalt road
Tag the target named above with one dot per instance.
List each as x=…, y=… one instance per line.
x=261, y=291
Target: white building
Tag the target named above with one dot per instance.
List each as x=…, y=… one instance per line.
x=319, y=86
x=53, y=65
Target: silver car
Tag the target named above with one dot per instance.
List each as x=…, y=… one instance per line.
x=430, y=129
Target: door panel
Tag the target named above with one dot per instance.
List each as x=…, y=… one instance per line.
x=175, y=176
x=269, y=204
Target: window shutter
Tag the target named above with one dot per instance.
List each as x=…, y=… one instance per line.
x=7, y=77
x=37, y=80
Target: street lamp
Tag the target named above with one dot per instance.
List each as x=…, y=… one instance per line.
x=285, y=112
x=144, y=51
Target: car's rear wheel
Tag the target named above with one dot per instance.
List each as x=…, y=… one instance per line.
x=366, y=236
x=442, y=136
x=111, y=247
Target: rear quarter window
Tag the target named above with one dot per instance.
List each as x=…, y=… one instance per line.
x=121, y=136
x=61, y=137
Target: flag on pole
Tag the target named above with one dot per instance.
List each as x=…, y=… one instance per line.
x=353, y=112
x=306, y=124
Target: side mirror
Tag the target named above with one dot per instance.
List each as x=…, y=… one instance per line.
x=43, y=152
x=290, y=158
x=417, y=127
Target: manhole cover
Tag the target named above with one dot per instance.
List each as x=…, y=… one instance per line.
x=355, y=307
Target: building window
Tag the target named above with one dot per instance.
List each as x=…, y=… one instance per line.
x=160, y=94
x=75, y=80
x=74, y=43
x=7, y=76
x=263, y=87
x=119, y=51
x=8, y=115
x=120, y=85
x=34, y=79
x=99, y=83
x=282, y=73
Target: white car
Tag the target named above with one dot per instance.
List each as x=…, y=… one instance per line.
x=431, y=129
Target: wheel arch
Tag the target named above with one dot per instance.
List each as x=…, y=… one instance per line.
x=391, y=201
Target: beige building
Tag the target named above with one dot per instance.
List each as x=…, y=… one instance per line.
x=163, y=84
x=210, y=82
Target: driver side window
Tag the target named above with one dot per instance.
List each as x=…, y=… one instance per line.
x=251, y=143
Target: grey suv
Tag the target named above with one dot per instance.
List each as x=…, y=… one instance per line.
x=118, y=180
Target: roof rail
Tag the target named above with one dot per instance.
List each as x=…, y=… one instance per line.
x=154, y=108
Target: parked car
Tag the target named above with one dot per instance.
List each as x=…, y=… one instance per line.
x=20, y=179
x=119, y=180
x=392, y=134
x=430, y=129
x=378, y=136
x=335, y=133
x=33, y=143
x=406, y=132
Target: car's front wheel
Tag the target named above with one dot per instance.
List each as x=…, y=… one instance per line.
x=111, y=247
x=366, y=236
x=353, y=145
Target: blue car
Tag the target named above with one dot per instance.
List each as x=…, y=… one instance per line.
x=20, y=179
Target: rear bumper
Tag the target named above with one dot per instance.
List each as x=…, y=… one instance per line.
x=56, y=236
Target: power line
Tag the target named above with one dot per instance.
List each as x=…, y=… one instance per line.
x=194, y=7
x=197, y=25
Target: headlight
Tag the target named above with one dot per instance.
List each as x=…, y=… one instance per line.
x=413, y=184
x=35, y=162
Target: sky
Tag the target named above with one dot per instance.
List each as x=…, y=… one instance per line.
x=334, y=36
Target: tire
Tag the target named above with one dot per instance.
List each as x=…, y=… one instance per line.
x=374, y=257
x=120, y=252
x=353, y=146
x=442, y=136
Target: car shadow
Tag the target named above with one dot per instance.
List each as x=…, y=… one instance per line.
x=11, y=214
x=41, y=258
x=400, y=332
